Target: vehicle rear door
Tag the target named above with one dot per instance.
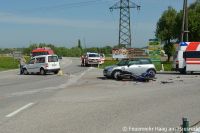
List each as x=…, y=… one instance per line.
x=53, y=62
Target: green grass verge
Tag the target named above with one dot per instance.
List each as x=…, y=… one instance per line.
x=7, y=63
x=108, y=63
x=167, y=66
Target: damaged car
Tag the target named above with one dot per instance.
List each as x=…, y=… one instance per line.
x=136, y=66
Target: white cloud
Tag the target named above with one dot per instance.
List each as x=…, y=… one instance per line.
x=17, y=19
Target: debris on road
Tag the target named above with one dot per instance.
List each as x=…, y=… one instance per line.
x=166, y=82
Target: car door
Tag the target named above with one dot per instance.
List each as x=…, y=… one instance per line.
x=40, y=61
x=30, y=66
x=134, y=66
x=145, y=65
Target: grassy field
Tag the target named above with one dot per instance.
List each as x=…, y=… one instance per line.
x=167, y=65
x=7, y=63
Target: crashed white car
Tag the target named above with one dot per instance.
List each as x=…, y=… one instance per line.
x=135, y=66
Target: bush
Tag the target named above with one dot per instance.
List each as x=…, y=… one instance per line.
x=108, y=63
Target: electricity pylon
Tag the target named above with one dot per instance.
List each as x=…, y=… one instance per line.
x=125, y=21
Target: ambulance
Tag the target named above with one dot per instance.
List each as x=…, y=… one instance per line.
x=187, y=57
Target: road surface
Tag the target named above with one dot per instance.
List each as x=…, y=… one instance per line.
x=82, y=101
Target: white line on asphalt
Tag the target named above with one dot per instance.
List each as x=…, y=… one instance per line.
x=19, y=110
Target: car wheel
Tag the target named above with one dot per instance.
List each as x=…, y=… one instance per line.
x=42, y=71
x=25, y=72
x=56, y=72
x=119, y=77
x=108, y=77
x=152, y=73
x=183, y=71
x=115, y=74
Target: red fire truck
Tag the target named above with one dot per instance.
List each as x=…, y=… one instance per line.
x=42, y=51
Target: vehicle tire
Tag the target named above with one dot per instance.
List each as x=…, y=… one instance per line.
x=152, y=73
x=56, y=72
x=42, y=71
x=115, y=74
x=25, y=72
x=183, y=71
x=108, y=77
x=119, y=77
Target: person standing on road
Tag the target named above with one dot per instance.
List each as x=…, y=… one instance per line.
x=22, y=62
x=82, y=60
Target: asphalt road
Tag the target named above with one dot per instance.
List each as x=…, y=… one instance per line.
x=18, y=90
x=82, y=101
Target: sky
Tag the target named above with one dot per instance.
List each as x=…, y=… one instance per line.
x=63, y=22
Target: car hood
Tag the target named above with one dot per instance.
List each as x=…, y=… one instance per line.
x=93, y=57
x=110, y=67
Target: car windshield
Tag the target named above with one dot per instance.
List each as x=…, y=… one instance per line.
x=52, y=59
x=39, y=53
x=145, y=61
x=122, y=63
x=93, y=55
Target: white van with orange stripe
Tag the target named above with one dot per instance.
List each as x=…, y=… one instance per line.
x=187, y=57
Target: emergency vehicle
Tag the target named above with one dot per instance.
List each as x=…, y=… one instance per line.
x=92, y=59
x=187, y=57
x=42, y=51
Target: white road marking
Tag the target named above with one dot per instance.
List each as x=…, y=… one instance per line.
x=19, y=110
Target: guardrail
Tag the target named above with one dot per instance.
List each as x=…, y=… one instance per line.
x=186, y=128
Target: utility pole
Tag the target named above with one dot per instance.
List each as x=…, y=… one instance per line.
x=184, y=31
x=124, y=21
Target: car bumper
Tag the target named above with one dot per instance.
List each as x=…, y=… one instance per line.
x=94, y=63
x=52, y=70
x=107, y=73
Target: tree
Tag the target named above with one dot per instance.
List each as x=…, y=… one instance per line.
x=178, y=26
x=107, y=50
x=169, y=50
x=79, y=44
x=166, y=30
x=166, y=25
x=194, y=23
